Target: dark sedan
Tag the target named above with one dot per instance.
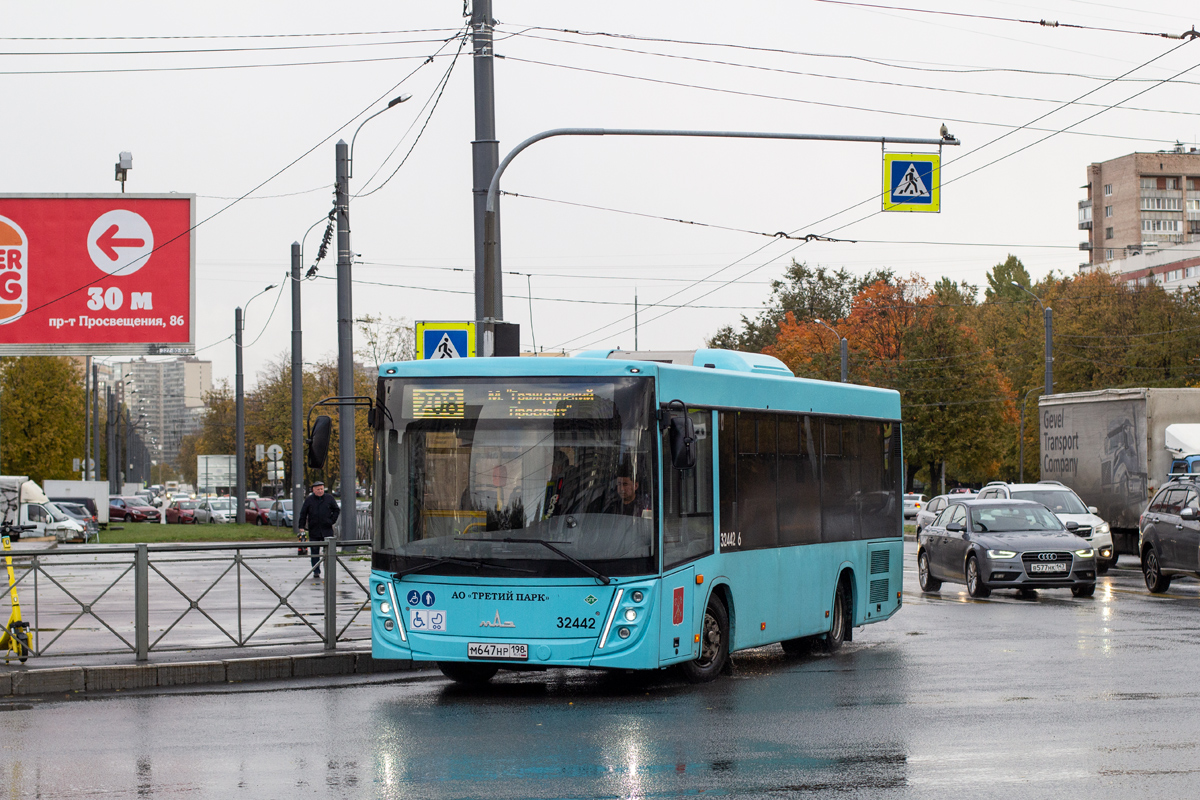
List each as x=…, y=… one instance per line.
x=1003, y=544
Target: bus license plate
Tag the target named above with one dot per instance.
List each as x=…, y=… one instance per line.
x=511, y=652
x=1047, y=567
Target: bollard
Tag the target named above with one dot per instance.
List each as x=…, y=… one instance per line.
x=141, y=601
x=330, y=556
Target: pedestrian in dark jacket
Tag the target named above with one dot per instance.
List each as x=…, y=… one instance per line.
x=317, y=516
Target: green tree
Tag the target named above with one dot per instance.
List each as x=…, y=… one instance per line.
x=958, y=406
x=41, y=419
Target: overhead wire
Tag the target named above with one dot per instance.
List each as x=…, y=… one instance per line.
x=206, y=50
x=972, y=152
x=277, y=173
x=436, y=98
x=203, y=68
x=220, y=36
x=826, y=76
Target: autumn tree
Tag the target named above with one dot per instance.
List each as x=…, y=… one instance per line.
x=957, y=404
x=806, y=294
x=41, y=416
x=385, y=339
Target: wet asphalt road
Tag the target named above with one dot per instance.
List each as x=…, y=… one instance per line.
x=1008, y=697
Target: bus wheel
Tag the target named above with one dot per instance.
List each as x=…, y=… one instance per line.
x=714, y=644
x=838, y=619
x=471, y=674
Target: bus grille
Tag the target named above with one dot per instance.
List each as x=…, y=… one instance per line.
x=879, y=590
x=881, y=562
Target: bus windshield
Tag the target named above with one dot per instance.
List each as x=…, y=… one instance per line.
x=466, y=463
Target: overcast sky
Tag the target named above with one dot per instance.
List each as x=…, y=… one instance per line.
x=72, y=104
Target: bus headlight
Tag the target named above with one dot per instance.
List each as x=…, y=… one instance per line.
x=623, y=633
x=637, y=596
x=385, y=608
x=388, y=624
x=630, y=614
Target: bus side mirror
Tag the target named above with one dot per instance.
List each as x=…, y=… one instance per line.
x=682, y=437
x=318, y=442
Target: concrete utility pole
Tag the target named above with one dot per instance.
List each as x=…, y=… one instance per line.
x=95, y=476
x=110, y=442
x=87, y=415
x=240, y=426
x=485, y=159
x=345, y=342
x=297, y=395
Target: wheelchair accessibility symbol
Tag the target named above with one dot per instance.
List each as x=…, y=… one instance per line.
x=414, y=598
x=421, y=619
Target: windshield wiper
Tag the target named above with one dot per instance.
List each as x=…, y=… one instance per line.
x=474, y=564
x=604, y=579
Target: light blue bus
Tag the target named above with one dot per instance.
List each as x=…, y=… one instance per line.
x=628, y=511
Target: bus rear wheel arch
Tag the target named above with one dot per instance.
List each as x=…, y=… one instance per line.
x=714, y=643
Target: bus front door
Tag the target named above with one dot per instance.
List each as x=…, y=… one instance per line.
x=675, y=616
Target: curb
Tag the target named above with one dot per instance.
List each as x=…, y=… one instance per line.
x=234, y=670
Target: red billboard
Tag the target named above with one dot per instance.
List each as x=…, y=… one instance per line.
x=105, y=274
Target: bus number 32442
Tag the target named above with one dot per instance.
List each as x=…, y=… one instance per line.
x=577, y=622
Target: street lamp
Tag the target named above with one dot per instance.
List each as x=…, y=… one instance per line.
x=1021, y=446
x=844, y=347
x=240, y=451
x=1048, y=315
x=345, y=388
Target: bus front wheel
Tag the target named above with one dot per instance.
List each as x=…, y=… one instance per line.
x=714, y=644
x=471, y=674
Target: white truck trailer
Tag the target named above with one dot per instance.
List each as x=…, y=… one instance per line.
x=23, y=503
x=80, y=490
x=1112, y=447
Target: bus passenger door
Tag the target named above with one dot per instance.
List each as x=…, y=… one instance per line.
x=676, y=632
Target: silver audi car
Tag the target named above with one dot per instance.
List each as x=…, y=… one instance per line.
x=1003, y=544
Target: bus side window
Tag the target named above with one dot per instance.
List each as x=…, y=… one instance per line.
x=688, y=497
x=757, y=478
x=838, y=502
x=799, y=491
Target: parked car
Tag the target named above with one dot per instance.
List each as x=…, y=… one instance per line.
x=182, y=512
x=215, y=509
x=80, y=513
x=88, y=503
x=1003, y=544
x=256, y=510
x=131, y=509
x=1169, y=534
x=912, y=504
x=280, y=513
x=1068, y=507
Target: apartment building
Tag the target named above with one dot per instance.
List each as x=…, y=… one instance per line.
x=165, y=399
x=1141, y=202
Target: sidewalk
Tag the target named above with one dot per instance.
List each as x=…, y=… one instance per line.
x=69, y=675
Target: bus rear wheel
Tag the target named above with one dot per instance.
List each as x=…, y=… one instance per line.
x=839, y=619
x=714, y=644
x=470, y=674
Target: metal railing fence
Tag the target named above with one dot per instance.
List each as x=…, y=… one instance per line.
x=113, y=599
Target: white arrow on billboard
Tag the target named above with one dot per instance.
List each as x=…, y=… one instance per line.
x=120, y=242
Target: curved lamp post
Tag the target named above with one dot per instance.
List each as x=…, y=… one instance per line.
x=1048, y=315
x=844, y=347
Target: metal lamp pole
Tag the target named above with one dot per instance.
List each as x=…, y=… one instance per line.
x=345, y=307
x=842, y=345
x=1021, y=448
x=488, y=300
x=1048, y=316
x=240, y=399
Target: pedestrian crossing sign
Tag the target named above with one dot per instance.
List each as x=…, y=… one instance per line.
x=912, y=182
x=445, y=340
